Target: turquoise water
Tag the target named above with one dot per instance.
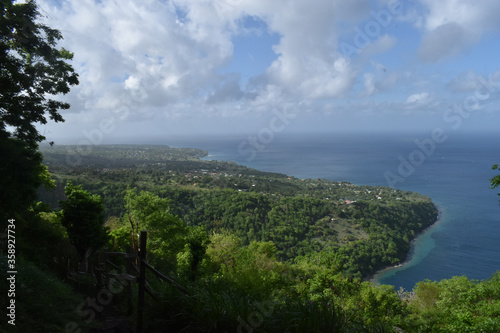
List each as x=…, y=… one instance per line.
x=454, y=173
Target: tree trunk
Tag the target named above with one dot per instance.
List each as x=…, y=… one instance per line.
x=84, y=263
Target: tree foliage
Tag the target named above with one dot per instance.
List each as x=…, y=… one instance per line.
x=32, y=71
x=283, y=254
x=166, y=232
x=495, y=181
x=83, y=217
x=23, y=173
x=456, y=305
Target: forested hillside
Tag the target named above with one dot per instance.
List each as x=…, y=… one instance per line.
x=368, y=227
x=247, y=250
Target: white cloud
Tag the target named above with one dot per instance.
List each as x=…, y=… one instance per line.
x=382, y=44
x=419, y=99
x=308, y=62
x=370, y=88
x=476, y=15
x=446, y=40
x=155, y=53
x=140, y=51
x=453, y=25
x=467, y=81
x=227, y=90
x=161, y=61
x=379, y=81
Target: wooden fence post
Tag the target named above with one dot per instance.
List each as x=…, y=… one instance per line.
x=142, y=279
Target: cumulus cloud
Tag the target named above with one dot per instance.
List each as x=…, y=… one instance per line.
x=477, y=15
x=140, y=50
x=159, y=61
x=419, y=99
x=227, y=90
x=157, y=53
x=148, y=54
x=370, y=88
x=453, y=25
x=378, y=81
x=446, y=40
x=308, y=63
x=467, y=81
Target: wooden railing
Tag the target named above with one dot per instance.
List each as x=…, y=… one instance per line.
x=143, y=265
x=138, y=274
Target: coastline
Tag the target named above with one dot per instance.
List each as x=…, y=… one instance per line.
x=374, y=278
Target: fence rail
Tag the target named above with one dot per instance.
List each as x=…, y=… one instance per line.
x=136, y=272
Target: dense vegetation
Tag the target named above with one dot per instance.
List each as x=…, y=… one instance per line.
x=264, y=250
x=368, y=227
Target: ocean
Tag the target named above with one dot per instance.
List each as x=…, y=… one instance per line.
x=454, y=170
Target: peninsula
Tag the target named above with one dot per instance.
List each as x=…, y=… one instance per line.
x=367, y=227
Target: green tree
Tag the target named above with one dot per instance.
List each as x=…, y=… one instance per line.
x=189, y=260
x=83, y=217
x=455, y=305
x=32, y=69
x=166, y=232
x=23, y=173
x=495, y=181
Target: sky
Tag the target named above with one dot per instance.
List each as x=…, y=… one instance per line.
x=152, y=69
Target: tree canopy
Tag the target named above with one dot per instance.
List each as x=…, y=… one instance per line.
x=495, y=181
x=32, y=71
x=83, y=217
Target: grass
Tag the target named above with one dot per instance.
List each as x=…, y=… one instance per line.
x=43, y=302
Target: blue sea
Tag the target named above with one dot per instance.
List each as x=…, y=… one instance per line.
x=453, y=169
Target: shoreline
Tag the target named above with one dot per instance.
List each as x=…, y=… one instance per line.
x=374, y=278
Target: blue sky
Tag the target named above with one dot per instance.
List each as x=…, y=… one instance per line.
x=151, y=68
